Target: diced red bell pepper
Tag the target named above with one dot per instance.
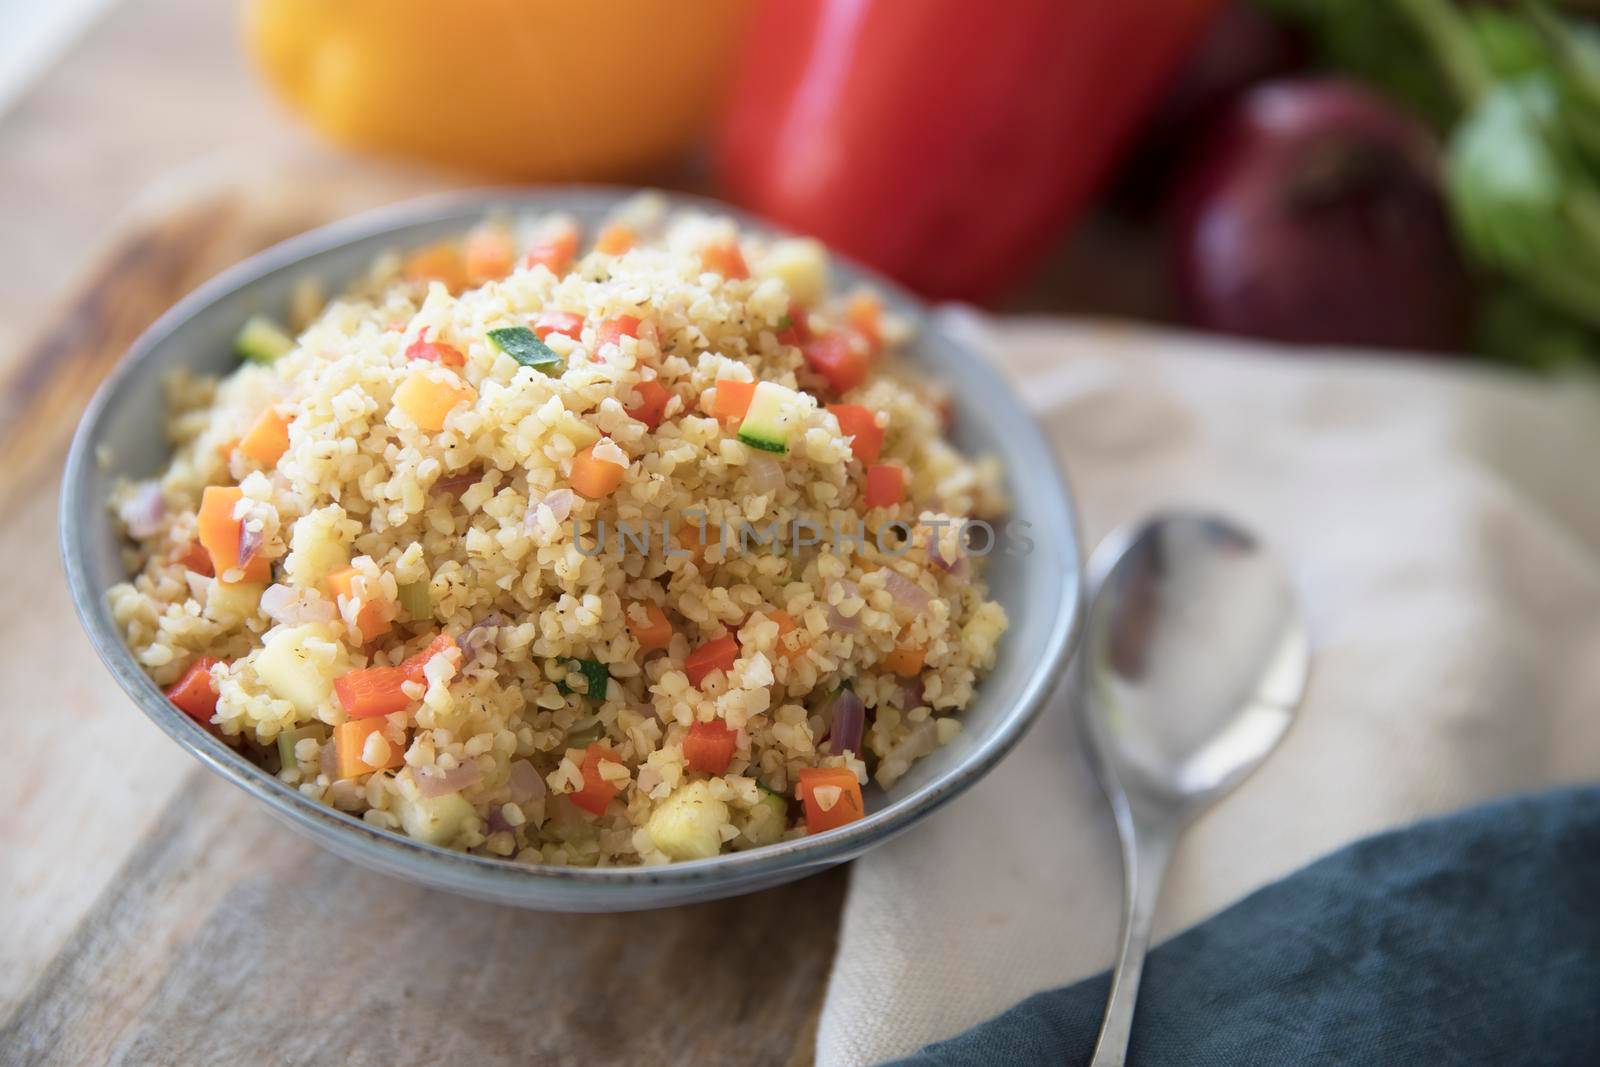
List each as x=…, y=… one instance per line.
x=718, y=655
x=708, y=748
x=194, y=694
x=886, y=485
x=435, y=351
x=614, y=330
x=838, y=359
x=413, y=665
x=563, y=322
x=652, y=403
x=799, y=329
x=860, y=424
x=596, y=792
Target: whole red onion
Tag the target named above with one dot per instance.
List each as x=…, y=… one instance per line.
x=1313, y=215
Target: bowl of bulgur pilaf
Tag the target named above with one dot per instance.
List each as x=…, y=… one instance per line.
x=575, y=549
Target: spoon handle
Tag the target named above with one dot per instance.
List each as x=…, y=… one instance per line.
x=1145, y=852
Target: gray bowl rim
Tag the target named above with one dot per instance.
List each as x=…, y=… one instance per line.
x=503, y=878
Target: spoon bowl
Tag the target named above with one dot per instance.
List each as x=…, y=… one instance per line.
x=1195, y=659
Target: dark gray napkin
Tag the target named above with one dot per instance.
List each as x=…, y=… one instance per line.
x=1470, y=939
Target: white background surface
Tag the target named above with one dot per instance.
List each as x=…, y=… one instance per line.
x=33, y=33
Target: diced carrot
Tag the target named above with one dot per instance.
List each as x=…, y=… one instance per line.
x=489, y=253
x=435, y=351
x=612, y=331
x=219, y=534
x=615, y=239
x=350, y=745
x=693, y=540
x=564, y=322
x=840, y=800
x=724, y=258
x=652, y=403
x=554, y=251
x=860, y=424
x=708, y=747
x=886, y=485
x=596, y=792
x=374, y=617
x=437, y=263
x=733, y=399
x=268, y=439
x=373, y=691
x=413, y=666
x=718, y=655
x=907, y=660
x=786, y=626
x=194, y=694
x=838, y=359
x=196, y=559
x=864, y=314
x=427, y=398
x=655, y=632
x=594, y=478
x=799, y=329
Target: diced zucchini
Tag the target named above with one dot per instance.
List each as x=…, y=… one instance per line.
x=596, y=679
x=774, y=413
x=417, y=599
x=261, y=340
x=767, y=820
x=230, y=603
x=289, y=738
x=299, y=664
x=524, y=346
x=687, y=825
x=584, y=737
x=801, y=263
x=435, y=820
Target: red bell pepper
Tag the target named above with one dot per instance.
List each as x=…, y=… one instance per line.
x=946, y=142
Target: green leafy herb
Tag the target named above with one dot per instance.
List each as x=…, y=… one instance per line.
x=524, y=346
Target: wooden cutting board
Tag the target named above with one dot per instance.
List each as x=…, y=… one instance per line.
x=154, y=914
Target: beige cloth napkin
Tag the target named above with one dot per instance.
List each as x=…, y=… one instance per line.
x=1443, y=527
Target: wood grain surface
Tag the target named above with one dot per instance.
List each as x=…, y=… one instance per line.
x=218, y=935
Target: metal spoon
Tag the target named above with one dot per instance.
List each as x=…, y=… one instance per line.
x=1195, y=658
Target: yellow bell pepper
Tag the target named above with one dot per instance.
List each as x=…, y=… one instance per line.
x=534, y=89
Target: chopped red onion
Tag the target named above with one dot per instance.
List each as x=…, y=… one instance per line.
x=836, y=621
x=914, y=693
x=497, y=820
x=433, y=782
x=479, y=636
x=525, y=783
x=766, y=473
x=907, y=594
x=558, y=502
x=144, y=512
x=250, y=542
x=459, y=483
x=290, y=606
x=849, y=721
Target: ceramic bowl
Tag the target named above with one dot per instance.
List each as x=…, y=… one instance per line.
x=121, y=435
